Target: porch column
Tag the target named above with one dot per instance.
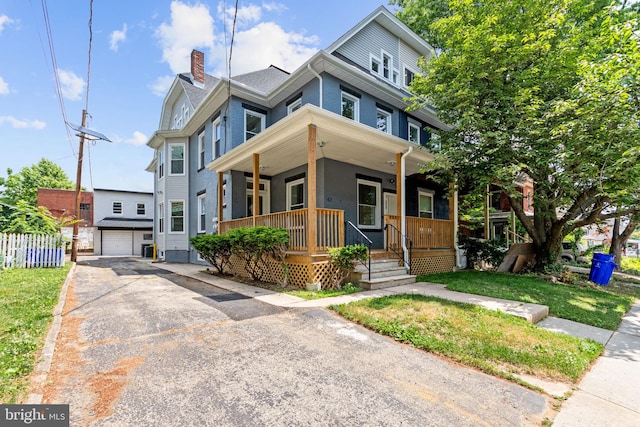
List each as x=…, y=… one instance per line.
x=399, y=179
x=452, y=213
x=312, y=214
x=487, y=203
x=220, y=198
x=256, y=187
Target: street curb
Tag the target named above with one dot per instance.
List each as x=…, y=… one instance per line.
x=40, y=373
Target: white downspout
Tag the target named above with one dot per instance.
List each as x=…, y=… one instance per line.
x=403, y=214
x=320, y=79
x=455, y=230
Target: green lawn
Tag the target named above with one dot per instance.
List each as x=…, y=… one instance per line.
x=594, y=306
x=325, y=293
x=27, y=299
x=494, y=342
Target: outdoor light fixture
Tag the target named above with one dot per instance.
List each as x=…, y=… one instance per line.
x=321, y=143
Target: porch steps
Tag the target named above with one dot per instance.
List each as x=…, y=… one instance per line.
x=385, y=273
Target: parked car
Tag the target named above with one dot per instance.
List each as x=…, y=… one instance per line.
x=569, y=254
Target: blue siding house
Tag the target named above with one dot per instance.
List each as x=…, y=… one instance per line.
x=327, y=152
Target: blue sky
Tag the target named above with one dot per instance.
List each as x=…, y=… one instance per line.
x=138, y=47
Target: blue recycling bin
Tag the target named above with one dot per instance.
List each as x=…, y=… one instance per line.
x=602, y=266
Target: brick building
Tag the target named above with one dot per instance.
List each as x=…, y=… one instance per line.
x=62, y=203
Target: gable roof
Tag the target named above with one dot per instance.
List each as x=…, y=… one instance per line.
x=263, y=80
x=388, y=20
x=194, y=93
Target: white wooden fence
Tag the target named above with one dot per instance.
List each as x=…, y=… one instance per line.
x=31, y=250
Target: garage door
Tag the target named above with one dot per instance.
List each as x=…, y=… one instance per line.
x=117, y=242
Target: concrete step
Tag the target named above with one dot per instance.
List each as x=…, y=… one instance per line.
x=380, y=265
x=388, y=282
x=377, y=274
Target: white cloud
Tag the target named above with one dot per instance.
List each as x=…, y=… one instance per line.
x=138, y=138
x=4, y=20
x=4, y=87
x=72, y=85
x=22, y=124
x=191, y=28
x=117, y=37
x=268, y=44
x=274, y=7
x=161, y=86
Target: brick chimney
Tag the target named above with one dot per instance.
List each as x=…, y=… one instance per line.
x=197, y=67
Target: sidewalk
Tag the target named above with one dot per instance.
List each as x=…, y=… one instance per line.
x=608, y=395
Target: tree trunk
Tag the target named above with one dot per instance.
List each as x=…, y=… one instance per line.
x=619, y=240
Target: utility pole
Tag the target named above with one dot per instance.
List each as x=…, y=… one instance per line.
x=76, y=225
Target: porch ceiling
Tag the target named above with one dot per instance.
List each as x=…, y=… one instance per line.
x=283, y=145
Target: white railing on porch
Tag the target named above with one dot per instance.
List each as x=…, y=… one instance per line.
x=425, y=233
x=329, y=227
x=31, y=250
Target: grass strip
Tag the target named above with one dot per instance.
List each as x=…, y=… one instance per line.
x=494, y=342
x=588, y=305
x=27, y=299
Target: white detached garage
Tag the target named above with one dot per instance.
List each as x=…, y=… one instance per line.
x=124, y=223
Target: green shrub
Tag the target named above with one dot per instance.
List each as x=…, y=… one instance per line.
x=343, y=260
x=256, y=245
x=215, y=249
x=489, y=251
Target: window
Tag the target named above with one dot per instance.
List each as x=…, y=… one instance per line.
x=177, y=217
x=224, y=193
x=295, y=194
x=140, y=209
x=375, y=65
x=383, y=121
x=161, y=162
x=217, y=134
x=368, y=204
x=295, y=105
x=253, y=124
x=350, y=107
x=202, y=219
x=386, y=66
x=414, y=133
x=177, y=159
x=201, y=150
x=161, y=218
x=425, y=204
x=147, y=236
x=409, y=75
x=185, y=113
x=117, y=208
x=263, y=197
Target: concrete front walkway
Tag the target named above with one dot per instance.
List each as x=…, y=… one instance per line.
x=608, y=395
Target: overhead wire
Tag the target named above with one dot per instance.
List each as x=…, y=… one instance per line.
x=86, y=108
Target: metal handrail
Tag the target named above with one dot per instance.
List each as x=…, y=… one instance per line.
x=368, y=244
x=399, y=253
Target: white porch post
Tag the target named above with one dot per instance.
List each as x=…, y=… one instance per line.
x=256, y=187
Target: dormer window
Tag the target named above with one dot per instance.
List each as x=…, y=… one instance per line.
x=383, y=67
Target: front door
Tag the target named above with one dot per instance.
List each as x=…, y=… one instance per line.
x=390, y=208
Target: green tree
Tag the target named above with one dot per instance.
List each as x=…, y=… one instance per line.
x=27, y=219
x=545, y=88
x=24, y=185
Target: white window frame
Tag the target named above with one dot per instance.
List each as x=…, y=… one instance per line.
x=161, y=218
x=377, y=206
x=201, y=150
x=113, y=208
x=289, y=185
x=185, y=113
x=184, y=217
x=413, y=125
x=429, y=194
x=413, y=71
x=184, y=158
x=144, y=209
x=388, y=116
x=389, y=68
x=202, y=213
x=161, y=162
x=216, y=139
x=376, y=61
x=262, y=117
x=295, y=105
x=265, y=194
x=356, y=106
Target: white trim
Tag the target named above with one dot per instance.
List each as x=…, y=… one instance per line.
x=144, y=208
x=413, y=124
x=377, y=206
x=262, y=117
x=388, y=119
x=265, y=194
x=294, y=106
x=201, y=150
x=184, y=158
x=216, y=139
x=406, y=67
x=161, y=162
x=161, y=218
x=356, y=106
x=184, y=216
x=291, y=184
x=202, y=212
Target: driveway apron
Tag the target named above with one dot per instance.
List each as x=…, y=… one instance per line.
x=140, y=346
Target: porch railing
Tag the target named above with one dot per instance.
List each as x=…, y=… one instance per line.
x=426, y=233
x=330, y=227
x=394, y=239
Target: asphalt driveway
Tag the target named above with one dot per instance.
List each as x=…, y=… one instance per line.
x=140, y=346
